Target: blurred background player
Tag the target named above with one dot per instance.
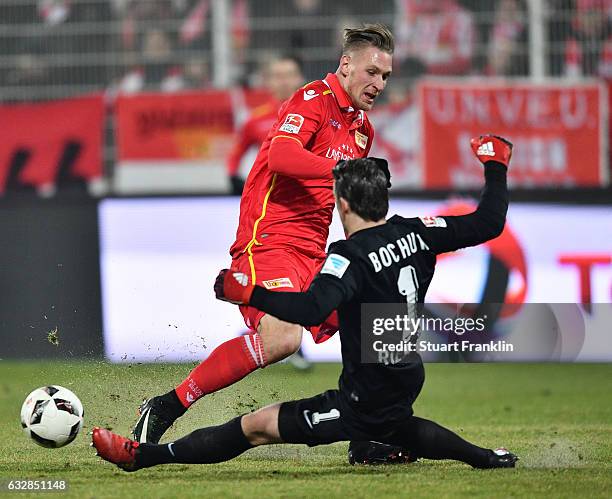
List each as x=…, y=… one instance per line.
x=281, y=77
x=439, y=33
x=285, y=212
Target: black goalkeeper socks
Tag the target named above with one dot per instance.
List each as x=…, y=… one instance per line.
x=427, y=439
x=152, y=454
x=214, y=444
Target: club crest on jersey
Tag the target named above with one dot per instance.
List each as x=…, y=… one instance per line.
x=281, y=282
x=292, y=124
x=335, y=265
x=361, y=140
x=433, y=221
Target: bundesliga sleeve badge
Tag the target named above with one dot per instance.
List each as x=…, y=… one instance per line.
x=433, y=221
x=292, y=124
x=335, y=265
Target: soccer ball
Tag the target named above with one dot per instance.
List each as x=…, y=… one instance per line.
x=52, y=416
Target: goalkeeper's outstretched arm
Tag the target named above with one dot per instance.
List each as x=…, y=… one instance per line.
x=488, y=220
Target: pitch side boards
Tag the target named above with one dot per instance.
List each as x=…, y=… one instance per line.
x=159, y=258
x=49, y=279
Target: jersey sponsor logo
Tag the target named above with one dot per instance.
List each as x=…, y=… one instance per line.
x=310, y=94
x=361, y=140
x=335, y=265
x=341, y=153
x=314, y=418
x=281, y=282
x=292, y=124
x=433, y=222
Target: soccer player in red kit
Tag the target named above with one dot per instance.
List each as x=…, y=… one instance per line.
x=282, y=76
x=285, y=213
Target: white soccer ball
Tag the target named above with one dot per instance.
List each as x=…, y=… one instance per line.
x=52, y=416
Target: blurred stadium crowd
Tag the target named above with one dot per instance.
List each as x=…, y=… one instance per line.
x=65, y=49
x=60, y=48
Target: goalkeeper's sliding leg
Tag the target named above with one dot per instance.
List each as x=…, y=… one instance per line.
x=315, y=421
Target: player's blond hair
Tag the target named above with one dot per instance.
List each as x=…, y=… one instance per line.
x=372, y=35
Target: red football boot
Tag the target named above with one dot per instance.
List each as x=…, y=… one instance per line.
x=115, y=448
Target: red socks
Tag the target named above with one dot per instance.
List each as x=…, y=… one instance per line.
x=229, y=362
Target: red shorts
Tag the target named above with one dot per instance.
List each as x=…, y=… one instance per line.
x=282, y=270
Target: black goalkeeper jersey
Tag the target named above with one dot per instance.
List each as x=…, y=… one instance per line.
x=389, y=263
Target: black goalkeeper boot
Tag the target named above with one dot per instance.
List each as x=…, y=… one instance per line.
x=157, y=414
x=500, y=458
x=378, y=453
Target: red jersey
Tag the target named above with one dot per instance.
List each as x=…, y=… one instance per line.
x=253, y=133
x=294, y=210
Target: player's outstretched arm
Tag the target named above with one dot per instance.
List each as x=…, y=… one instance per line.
x=488, y=220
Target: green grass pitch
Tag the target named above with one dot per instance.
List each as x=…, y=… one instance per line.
x=557, y=418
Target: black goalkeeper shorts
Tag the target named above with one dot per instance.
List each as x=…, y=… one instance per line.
x=318, y=420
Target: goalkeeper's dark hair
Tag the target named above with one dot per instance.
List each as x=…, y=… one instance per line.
x=368, y=35
x=364, y=185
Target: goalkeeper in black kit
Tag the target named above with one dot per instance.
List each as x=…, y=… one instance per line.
x=373, y=403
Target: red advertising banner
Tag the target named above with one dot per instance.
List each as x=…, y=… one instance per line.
x=49, y=137
x=190, y=126
x=169, y=143
x=559, y=132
